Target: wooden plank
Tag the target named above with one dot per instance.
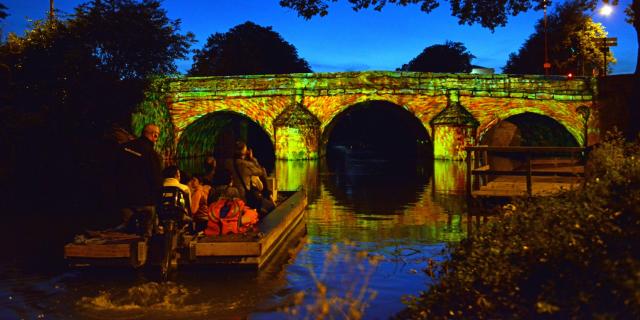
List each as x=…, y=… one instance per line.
x=555, y=162
x=521, y=149
x=523, y=173
x=121, y=250
x=220, y=249
x=507, y=189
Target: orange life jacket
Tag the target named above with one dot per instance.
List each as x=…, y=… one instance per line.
x=230, y=216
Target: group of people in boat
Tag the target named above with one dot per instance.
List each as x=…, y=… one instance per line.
x=226, y=198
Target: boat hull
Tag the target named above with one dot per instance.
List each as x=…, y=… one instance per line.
x=280, y=227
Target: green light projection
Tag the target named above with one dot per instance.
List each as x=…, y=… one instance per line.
x=449, y=176
x=293, y=175
x=449, y=141
x=297, y=132
x=292, y=145
x=176, y=103
x=154, y=109
x=200, y=137
x=489, y=112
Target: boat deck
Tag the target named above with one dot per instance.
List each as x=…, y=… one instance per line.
x=255, y=248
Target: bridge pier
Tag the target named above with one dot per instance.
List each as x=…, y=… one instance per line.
x=297, y=133
x=453, y=129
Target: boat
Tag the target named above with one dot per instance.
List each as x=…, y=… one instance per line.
x=256, y=248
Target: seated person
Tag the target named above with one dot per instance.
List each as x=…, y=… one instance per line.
x=209, y=170
x=199, y=205
x=222, y=182
x=230, y=215
x=172, y=175
x=243, y=168
x=169, y=199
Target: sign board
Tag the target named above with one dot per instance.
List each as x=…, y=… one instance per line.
x=546, y=65
x=609, y=42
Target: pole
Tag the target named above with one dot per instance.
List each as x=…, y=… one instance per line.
x=605, y=49
x=51, y=13
x=546, y=54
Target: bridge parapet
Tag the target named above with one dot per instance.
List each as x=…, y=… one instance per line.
x=383, y=82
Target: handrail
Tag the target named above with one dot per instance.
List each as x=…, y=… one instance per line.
x=521, y=149
x=528, y=171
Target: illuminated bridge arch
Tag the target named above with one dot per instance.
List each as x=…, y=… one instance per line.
x=406, y=114
x=216, y=132
x=295, y=109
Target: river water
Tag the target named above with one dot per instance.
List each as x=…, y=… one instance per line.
x=372, y=227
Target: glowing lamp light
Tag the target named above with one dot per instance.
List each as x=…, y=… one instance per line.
x=606, y=10
x=570, y=75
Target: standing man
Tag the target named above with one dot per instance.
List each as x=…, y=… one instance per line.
x=140, y=180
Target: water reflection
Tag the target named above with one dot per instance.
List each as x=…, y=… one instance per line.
x=292, y=175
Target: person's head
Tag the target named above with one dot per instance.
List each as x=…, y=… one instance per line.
x=151, y=132
x=240, y=150
x=209, y=165
x=230, y=192
x=195, y=182
x=171, y=172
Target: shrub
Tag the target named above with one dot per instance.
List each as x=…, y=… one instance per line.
x=574, y=255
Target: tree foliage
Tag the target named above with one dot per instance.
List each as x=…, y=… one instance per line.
x=74, y=64
x=449, y=57
x=572, y=256
x=573, y=44
x=489, y=14
x=68, y=80
x=3, y=11
x=247, y=49
x=131, y=39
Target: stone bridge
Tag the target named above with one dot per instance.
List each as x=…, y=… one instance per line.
x=296, y=110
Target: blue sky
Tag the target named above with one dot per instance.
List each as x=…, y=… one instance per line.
x=352, y=41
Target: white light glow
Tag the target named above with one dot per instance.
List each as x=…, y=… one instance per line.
x=606, y=10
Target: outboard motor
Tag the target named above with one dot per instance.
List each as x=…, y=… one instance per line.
x=174, y=217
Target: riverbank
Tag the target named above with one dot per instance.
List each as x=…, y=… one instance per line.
x=568, y=256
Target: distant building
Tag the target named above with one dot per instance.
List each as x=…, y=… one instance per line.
x=481, y=70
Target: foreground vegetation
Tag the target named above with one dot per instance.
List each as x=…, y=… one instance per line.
x=570, y=256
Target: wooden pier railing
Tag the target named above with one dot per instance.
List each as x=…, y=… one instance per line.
x=522, y=171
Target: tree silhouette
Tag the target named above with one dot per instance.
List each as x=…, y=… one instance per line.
x=573, y=45
x=93, y=64
x=247, y=49
x=489, y=14
x=449, y=57
x=131, y=39
x=69, y=80
x=3, y=11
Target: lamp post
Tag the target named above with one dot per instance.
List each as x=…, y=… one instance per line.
x=546, y=64
x=606, y=11
x=51, y=14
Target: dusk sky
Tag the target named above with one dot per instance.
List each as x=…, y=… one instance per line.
x=352, y=41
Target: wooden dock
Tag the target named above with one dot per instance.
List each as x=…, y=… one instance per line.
x=494, y=172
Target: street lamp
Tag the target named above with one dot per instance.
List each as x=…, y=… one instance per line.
x=51, y=13
x=606, y=10
x=546, y=64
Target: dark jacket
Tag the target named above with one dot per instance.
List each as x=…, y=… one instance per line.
x=139, y=171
